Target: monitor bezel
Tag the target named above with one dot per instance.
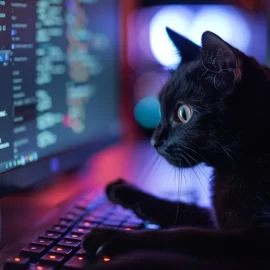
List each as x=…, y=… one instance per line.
x=41, y=171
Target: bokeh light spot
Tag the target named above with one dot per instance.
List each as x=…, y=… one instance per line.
x=146, y=112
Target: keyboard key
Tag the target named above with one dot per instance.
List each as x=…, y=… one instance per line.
x=87, y=225
x=106, y=259
x=77, y=262
x=73, y=215
x=100, y=212
x=105, y=226
x=105, y=204
x=52, y=259
x=81, y=230
x=41, y=267
x=121, y=216
x=17, y=263
x=133, y=226
x=126, y=229
x=116, y=218
x=33, y=252
x=98, y=216
x=82, y=205
x=75, y=236
x=51, y=235
x=119, y=210
x=135, y=221
x=46, y=243
x=70, y=243
x=81, y=252
x=66, y=251
x=65, y=222
x=93, y=219
x=77, y=212
x=70, y=217
x=111, y=223
x=58, y=229
x=107, y=208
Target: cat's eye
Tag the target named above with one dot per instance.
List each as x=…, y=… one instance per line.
x=184, y=113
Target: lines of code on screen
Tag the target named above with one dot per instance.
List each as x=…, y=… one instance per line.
x=58, y=70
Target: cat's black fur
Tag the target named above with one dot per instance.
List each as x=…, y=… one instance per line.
x=229, y=94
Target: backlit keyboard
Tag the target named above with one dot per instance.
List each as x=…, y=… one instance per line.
x=59, y=247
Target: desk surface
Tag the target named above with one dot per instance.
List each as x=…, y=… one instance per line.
x=28, y=213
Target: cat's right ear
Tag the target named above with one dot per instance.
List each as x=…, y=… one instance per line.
x=188, y=50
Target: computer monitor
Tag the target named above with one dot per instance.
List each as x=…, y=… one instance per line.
x=59, y=74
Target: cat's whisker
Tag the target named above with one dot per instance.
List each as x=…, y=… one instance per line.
x=201, y=168
x=152, y=165
x=197, y=166
x=186, y=159
x=155, y=169
x=187, y=194
x=226, y=150
x=175, y=178
x=196, y=161
x=205, y=160
x=157, y=173
x=195, y=173
x=178, y=195
x=145, y=171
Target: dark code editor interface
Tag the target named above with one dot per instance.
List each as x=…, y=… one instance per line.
x=58, y=74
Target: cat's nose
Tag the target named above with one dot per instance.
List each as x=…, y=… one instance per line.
x=157, y=143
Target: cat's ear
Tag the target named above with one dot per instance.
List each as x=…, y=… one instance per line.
x=188, y=50
x=222, y=54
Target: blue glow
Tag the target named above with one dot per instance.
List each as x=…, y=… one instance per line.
x=54, y=164
x=147, y=112
x=151, y=226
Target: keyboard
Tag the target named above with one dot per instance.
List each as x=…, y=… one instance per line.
x=59, y=247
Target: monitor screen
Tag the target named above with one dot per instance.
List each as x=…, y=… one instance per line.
x=58, y=74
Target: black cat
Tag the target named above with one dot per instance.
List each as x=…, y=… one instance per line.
x=214, y=109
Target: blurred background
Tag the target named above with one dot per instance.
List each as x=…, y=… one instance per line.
x=148, y=54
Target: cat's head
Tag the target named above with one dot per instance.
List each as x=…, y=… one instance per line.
x=202, y=105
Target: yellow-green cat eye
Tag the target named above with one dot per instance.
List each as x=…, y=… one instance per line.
x=184, y=113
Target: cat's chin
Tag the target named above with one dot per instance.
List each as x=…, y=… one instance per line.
x=180, y=163
x=178, y=160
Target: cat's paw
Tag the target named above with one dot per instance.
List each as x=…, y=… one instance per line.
x=131, y=197
x=100, y=242
x=123, y=193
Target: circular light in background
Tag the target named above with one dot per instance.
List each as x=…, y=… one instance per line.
x=176, y=17
x=223, y=21
x=146, y=112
